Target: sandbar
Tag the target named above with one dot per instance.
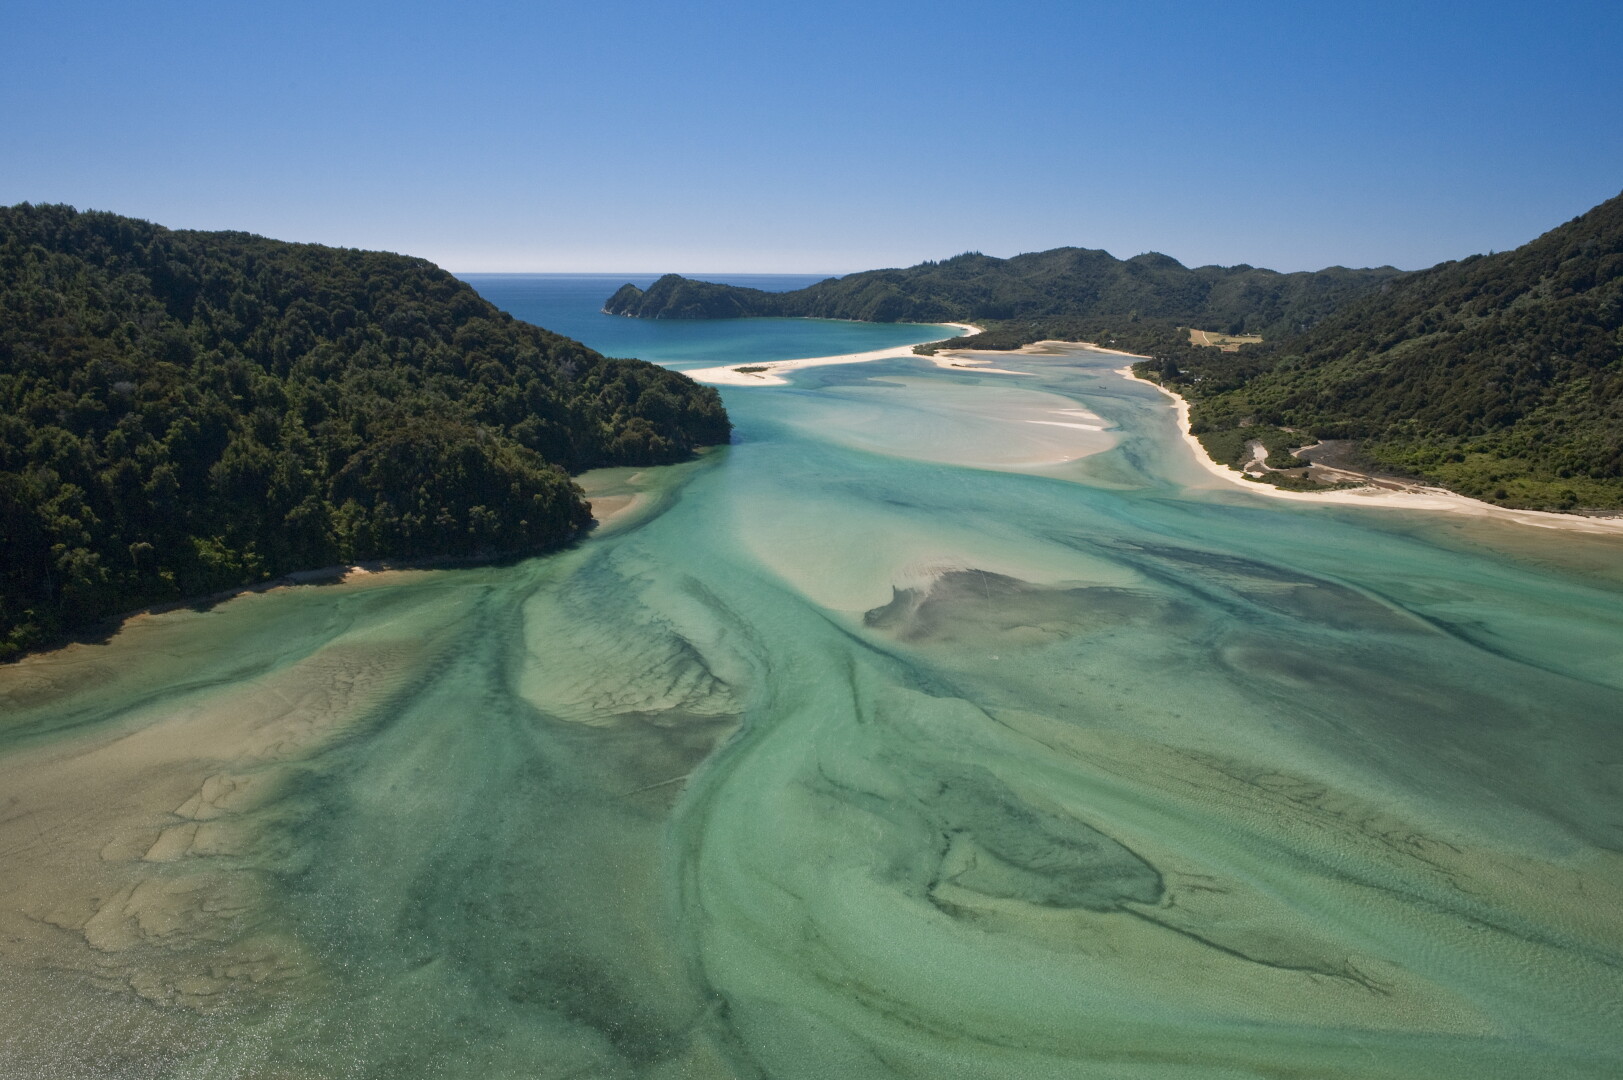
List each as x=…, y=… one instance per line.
x=977, y=360
x=1393, y=496
x=610, y=510
x=770, y=373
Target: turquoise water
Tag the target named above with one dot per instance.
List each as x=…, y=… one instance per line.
x=949, y=724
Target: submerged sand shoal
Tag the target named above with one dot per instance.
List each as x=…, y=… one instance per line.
x=481, y=824
x=982, y=425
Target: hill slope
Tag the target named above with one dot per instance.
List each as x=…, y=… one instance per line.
x=187, y=411
x=1499, y=376
x=1043, y=288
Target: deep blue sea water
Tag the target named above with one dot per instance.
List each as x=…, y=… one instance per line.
x=570, y=304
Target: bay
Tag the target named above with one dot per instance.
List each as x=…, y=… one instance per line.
x=948, y=724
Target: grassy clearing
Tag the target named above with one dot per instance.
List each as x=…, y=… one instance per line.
x=1222, y=342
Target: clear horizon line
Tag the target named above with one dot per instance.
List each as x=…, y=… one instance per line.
x=647, y=273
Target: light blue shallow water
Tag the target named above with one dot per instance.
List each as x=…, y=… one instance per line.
x=895, y=740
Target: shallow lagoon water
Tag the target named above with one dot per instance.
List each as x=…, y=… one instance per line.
x=878, y=744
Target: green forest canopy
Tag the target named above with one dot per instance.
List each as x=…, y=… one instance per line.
x=182, y=412
x=1498, y=376
x=1045, y=287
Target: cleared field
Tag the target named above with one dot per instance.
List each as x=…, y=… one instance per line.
x=1224, y=342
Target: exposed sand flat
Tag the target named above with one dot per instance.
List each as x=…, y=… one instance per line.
x=979, y=360
x=605, y=508
x=1051, y=347
x=957, y=360
x=618, y=496
x=1416, y=497
x=771, y=373
x=1047, y=347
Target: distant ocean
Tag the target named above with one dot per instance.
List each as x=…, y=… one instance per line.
x=571, y=304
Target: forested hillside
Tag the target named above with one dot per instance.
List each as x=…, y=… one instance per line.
x=1043, y=291
x=186, y=411
x=1499, y=376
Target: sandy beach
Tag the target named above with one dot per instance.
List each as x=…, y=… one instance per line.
x=1416, y=497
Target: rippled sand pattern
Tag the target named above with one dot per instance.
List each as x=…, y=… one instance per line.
x=897, y=740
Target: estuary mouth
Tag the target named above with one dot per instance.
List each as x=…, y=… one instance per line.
x=934, y=728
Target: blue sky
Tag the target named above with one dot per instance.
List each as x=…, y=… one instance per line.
x=827, y=137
